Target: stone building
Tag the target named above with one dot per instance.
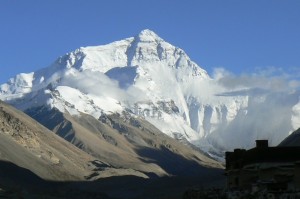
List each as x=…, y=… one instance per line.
x=264, y=168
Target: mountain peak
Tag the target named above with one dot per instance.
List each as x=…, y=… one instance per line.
x=148, y=36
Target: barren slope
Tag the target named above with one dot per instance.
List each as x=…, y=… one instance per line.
x=28, y=144
x=126, y=141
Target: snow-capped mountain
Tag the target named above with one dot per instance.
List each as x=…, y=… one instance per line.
x=150, y=78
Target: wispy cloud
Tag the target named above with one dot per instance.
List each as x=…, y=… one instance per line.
x=271, y=78
x=99, y=84
x=272, y=93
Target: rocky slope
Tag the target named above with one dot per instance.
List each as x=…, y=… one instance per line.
x=126, y=141
x=27, y=144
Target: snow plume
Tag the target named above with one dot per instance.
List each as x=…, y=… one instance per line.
x=273, y=97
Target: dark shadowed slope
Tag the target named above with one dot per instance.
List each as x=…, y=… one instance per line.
x=292, y=140
x=17, y=182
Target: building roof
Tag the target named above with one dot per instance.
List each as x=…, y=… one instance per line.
x=262, y=153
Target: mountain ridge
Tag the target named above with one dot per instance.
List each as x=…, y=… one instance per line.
x=152, y=79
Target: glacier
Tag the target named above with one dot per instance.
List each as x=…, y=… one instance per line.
x=150, y=78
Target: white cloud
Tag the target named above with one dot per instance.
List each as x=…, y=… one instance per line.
x=99, y=84
x=272, y=94
x=270, y=78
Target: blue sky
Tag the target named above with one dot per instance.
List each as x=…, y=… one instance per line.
x=242, y=36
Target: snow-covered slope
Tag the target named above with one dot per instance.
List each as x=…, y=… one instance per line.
x=150, y=78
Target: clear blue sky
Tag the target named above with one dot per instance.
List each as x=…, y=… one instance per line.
x=239, y=35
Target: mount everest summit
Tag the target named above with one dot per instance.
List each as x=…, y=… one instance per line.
x=146, y=77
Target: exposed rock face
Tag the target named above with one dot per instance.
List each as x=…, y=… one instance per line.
x=18, y=131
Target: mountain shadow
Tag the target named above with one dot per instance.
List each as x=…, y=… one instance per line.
x=13, y=175
x=124, y=75
x=174, y=163
x=17, y=182
x=54, y=119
